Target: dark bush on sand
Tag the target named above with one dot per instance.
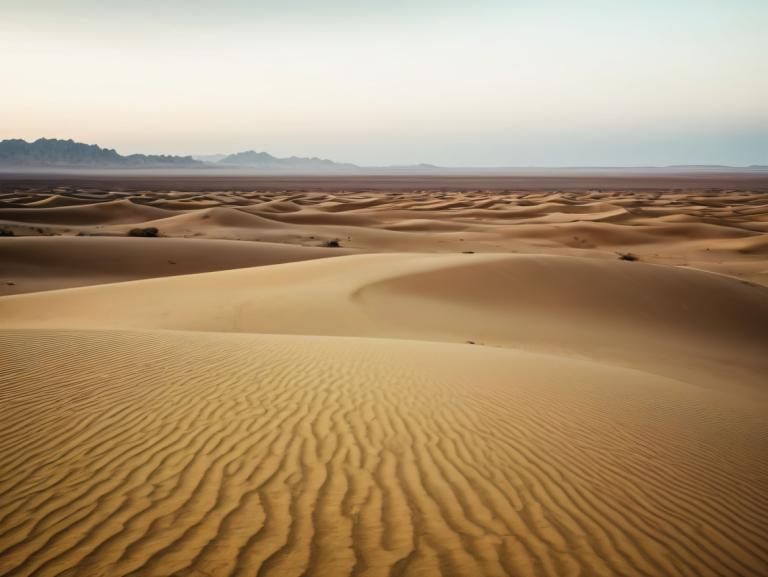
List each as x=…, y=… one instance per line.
x=149, y=231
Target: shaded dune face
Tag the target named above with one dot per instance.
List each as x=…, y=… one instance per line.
x=213, y=454
x=38, y=263
x=108, y=212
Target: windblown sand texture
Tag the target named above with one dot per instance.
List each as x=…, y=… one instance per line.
x=248, y=402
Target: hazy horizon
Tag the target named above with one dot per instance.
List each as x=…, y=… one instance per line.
x=517, y=84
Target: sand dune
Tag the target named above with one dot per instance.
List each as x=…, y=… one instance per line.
x=543, y=409
x=43, y=263
x=622, y=312
x=215, y=454
x=56, y=200
x=691, y=228
x=111, y=212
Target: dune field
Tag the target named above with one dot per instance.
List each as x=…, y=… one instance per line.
x=383, y=382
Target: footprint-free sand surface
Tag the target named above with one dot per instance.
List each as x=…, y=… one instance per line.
x=472, y=384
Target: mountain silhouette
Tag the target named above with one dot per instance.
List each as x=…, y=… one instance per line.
x=264, y=160
x=53, y=152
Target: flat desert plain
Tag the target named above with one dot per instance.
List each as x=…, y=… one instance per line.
x=473, y=382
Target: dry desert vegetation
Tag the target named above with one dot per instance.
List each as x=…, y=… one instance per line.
x=383, y=382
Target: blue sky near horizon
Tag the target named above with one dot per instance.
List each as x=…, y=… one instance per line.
x=487, y=83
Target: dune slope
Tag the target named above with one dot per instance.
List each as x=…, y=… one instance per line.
x=189, y=453
x=39, y=263
x=393, y=414
x=676, y=322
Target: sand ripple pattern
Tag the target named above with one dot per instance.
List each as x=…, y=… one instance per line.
x=193, y=454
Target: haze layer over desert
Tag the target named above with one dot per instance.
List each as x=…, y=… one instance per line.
x=331, y=378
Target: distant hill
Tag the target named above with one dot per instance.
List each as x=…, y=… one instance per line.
x=52, y=152
x=420, y=166
x=265, y=161
x=210, y=158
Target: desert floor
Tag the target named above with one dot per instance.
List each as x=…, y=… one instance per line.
x=473, y=383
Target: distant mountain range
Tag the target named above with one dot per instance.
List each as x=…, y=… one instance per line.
x=266, y=161
x=55, y=153
x=52, y=152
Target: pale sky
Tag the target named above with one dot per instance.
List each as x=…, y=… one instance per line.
x=473, y=83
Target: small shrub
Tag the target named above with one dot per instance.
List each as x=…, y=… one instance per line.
x=628, y=256
x=6, y=232
x=334, y=243
x=149, y=231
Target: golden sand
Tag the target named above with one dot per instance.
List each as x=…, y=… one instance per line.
x=536, y=408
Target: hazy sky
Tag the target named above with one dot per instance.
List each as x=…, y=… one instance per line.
x=483, y=82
